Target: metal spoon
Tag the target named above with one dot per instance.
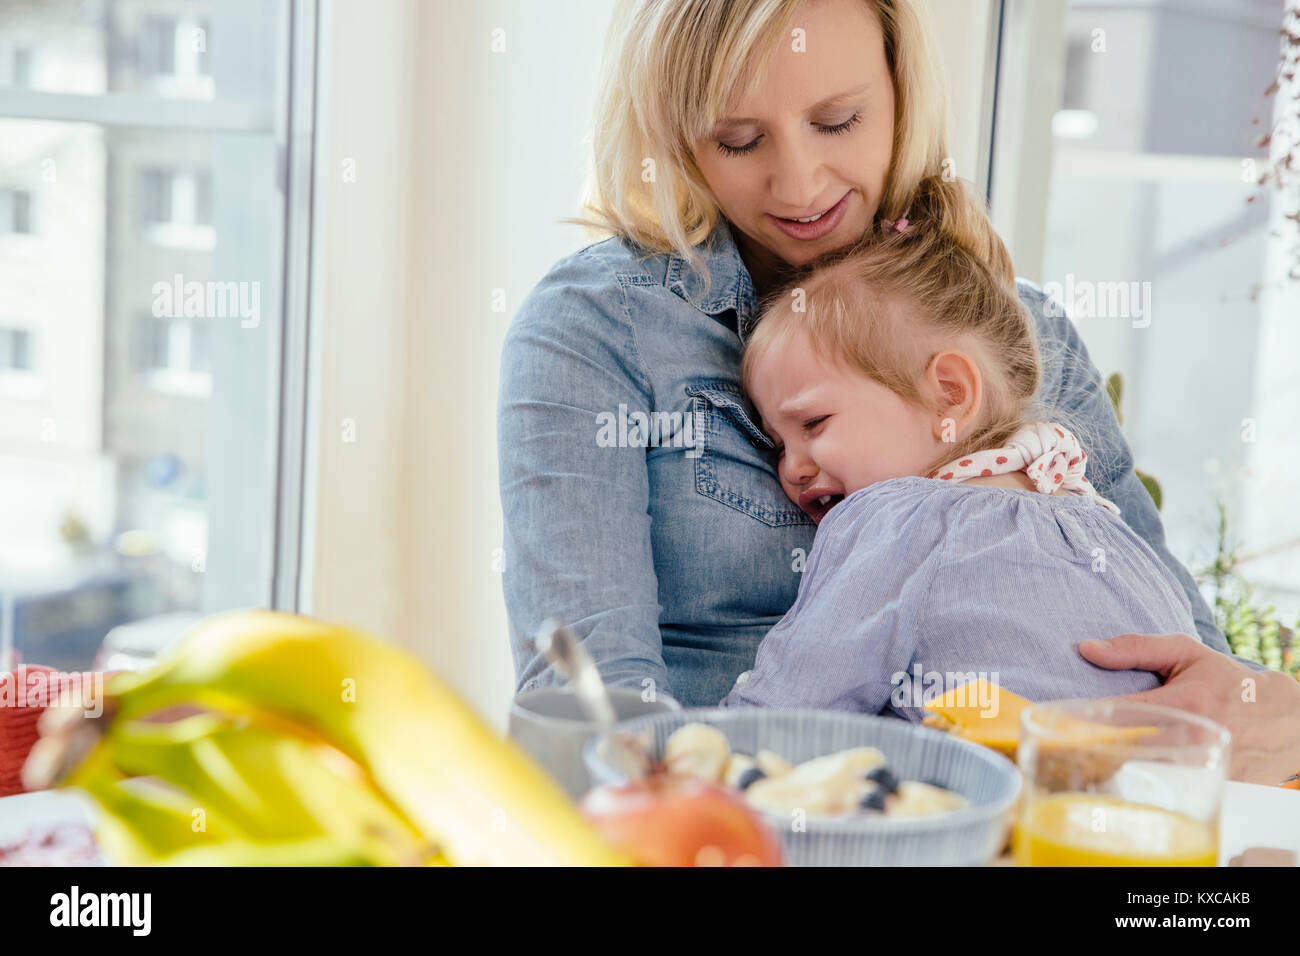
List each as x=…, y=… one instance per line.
x=562, y=647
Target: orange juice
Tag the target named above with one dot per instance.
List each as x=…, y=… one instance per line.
x=1083, y=829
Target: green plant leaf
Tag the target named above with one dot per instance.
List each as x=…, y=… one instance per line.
x=1115, y=389
x=1153, y=488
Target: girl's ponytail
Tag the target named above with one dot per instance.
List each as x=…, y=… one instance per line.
x=950, y=208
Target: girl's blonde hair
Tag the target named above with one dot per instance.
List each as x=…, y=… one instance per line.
x=886, y=306
x=671, y=67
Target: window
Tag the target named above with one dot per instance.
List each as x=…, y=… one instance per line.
x=151, y=461
x=176, y=207
x=15, y=211
x=172, y=355
x=157, y=46
x=1074, y=120
x=172, y=56
x=20, y=68
x=15, y=350
x=175, y=197
x=1159, y=162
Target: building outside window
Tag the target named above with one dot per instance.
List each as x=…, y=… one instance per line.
x=143, y=442
x=15, y=211
x=15, y=350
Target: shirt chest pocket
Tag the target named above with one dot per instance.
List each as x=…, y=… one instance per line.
x=736, y=463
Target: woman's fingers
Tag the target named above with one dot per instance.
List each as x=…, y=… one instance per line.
x=1162, y=653
x=1261, y=709
x=1193, y=697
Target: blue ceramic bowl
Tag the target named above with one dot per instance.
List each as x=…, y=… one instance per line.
x=971, y=836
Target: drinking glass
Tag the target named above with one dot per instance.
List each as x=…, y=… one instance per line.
x=1119, y=783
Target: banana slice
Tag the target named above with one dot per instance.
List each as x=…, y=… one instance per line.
x=824, y=785
x=697, y=750
x=772, y=764
x=916, y=799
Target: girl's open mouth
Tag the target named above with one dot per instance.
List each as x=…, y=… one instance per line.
x=818, y=508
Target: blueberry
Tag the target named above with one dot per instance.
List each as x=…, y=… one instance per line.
x=875, y=800
x=748, y=777
x=883, y=776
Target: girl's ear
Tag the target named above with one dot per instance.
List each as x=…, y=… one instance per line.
x=957, y=389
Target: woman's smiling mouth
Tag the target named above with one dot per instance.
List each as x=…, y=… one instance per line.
x=816, y=226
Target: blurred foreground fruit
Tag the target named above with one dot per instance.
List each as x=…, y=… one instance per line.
x=670, y=820
x=981, y=712
x=305, y=743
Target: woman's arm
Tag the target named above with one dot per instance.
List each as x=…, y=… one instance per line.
x=577, y=529
x=1071, y=382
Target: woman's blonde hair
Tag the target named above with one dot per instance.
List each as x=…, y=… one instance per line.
x=671, y=67
x=885, y=306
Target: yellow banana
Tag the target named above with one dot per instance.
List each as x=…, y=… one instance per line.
x=268, y=787
x=149, y=825
x=142, y=823
x=421, y=767
x=188, y=754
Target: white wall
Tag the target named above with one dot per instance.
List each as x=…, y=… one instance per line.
x=499, y=158
x=464, y=158
x=962, y=35
x=360, y=303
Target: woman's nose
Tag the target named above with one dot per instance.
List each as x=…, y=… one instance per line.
x=795, y=177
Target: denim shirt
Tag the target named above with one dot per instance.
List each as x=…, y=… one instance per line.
x=640, y=497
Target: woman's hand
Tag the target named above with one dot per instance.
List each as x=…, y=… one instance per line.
x=1260, y=708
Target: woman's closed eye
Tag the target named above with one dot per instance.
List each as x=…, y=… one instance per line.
x=836, y=129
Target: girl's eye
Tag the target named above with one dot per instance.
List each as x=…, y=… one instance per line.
x=814, y=422
x=844, y=127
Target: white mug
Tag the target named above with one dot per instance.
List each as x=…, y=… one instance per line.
x=550, y=724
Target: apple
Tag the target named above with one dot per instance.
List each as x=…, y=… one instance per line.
x=672, y=820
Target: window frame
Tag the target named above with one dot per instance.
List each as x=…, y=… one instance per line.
x=1027, y=67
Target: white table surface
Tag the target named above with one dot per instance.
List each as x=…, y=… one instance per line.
x=45, y=809
x=1252, y=816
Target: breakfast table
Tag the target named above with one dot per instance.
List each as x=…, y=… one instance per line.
x=1253, y=817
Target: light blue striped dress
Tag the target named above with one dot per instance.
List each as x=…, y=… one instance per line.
x=914, y=586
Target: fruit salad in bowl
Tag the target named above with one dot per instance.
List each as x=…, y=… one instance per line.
x=838, y=789
x=857, y=780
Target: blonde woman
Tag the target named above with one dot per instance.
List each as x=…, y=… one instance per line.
x=735, y=142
